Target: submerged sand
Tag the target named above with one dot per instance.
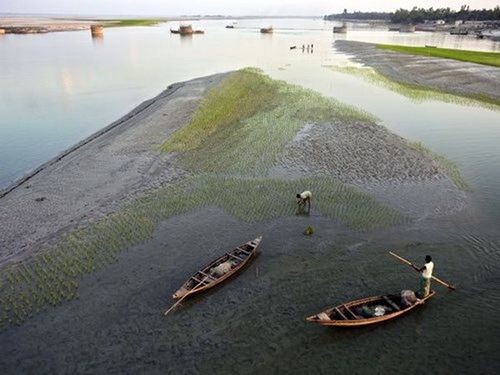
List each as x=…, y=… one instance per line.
x=456, y=77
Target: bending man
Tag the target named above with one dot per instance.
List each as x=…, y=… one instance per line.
x=304, y=198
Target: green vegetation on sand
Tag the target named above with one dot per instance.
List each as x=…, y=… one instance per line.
x=129, y=22
x=485, y=58
x=417, y=93
x=244, y=133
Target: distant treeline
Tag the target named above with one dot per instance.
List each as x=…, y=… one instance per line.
x=417, y=15
x=360, y=16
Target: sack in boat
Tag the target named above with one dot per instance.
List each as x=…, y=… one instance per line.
x=368, y=312
x=408, y=297
x=222, y=268
x=379, y=310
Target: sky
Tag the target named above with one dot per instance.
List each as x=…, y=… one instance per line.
x=224, y=7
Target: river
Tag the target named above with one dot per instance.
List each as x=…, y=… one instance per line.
x=58, y=88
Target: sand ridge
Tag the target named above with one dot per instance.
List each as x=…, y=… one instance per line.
x=456, y=77
x=98, y=175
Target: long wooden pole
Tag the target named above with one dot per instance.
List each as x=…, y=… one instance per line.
x=185, y=295
x=418, y=269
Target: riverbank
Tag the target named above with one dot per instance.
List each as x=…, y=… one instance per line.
x=479, y=82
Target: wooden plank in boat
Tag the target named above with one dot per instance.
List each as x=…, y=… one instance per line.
x=236, y=257
x=207, y=275
x=394, y=306
x=198, y=280
x=243, y=250
x=350, y=312
x=341, y=314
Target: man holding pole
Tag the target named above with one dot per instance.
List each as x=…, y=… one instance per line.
x=426, y=276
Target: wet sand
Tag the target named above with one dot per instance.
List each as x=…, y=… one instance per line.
x=456, y=77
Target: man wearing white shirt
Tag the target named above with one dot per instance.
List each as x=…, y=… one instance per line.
x=425, y=278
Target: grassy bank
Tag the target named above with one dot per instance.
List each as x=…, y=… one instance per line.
x=243, y=132
x=485, y=58
x=418, y=93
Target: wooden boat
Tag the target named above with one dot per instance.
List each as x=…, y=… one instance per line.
x=267, y=30
x=340, y=29
x=186, y=30
x=349, y=314
x=229, y=26
x=204, y=279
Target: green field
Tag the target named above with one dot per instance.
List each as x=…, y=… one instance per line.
x=485, y=58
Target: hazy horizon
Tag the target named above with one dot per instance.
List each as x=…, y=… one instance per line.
x=159, y=8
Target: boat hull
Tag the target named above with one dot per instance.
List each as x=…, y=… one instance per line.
x=204, y=274
x=354, y=320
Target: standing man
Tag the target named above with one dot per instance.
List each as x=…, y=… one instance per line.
x=303, y=199
x=425, y=278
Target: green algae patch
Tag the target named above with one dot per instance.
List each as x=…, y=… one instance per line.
x=241, y=95
x=478, y=57
x=450, y=167
x=418, y=93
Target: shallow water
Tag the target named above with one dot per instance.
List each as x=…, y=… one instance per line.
x=255, y=323
x=58, y=88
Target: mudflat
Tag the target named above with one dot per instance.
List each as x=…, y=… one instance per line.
x=457, y=77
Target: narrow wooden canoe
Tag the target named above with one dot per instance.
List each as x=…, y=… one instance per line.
x=267, y=30
x=204, y=279
x=349, y=314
